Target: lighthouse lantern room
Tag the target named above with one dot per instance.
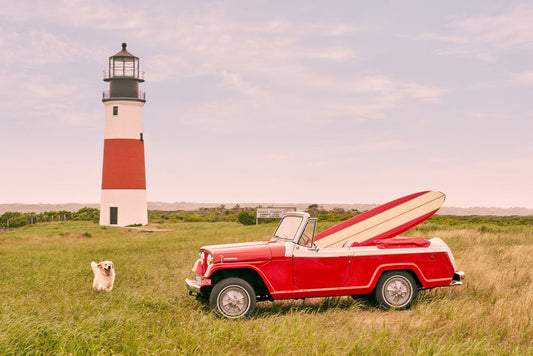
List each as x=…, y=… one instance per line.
x=123, y=176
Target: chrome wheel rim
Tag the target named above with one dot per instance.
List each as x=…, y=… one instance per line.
x=233, y=301
x=397, y=291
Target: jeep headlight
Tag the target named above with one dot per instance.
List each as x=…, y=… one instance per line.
x=202, y=257
x=209, y=259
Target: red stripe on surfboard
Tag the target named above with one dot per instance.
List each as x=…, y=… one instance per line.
x=366, y=215
x=123, y=164
x=397, y=230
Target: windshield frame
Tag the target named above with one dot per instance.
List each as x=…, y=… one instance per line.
x=289, y=224
x=310, y=234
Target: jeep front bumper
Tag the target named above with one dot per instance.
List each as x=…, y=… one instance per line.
x=196, y=285
x=192, y=286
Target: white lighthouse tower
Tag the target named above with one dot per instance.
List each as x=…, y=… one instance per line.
x=123, y=176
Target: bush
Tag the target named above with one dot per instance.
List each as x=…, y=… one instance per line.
x=18, y=219
x=87, y=214
x=13, y=219
x=246, y=218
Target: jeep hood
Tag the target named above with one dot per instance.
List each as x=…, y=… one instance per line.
x=238, y=252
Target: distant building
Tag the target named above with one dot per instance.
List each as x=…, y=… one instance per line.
x=123, y=175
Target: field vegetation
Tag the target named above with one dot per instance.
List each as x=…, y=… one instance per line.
x=48, y=306
x=243, y=215
x=18, y=219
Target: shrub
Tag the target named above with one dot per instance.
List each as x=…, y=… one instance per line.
x=18, y=219
x=246, y=218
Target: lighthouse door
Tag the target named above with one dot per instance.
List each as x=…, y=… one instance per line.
x=113, y=215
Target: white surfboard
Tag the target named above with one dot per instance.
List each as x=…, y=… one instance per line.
x=385, y=221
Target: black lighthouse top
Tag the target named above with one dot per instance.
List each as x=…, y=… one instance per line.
x=124, y=77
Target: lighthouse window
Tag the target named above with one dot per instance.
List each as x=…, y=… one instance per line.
x=142, y=139
x=115, y=110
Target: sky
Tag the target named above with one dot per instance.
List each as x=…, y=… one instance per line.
x=275, y=101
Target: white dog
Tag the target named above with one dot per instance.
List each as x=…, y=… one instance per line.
x=104, y=275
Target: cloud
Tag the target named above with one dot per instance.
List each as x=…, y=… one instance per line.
x=46, y=99
x=311, y=99
x=524, y=77
x=423, y=92
x=273, y=73
x=444, y=38
x=37, y=70
x=269, y=71
x=507, y=30
x=211, y=43
x=26, y=50
x=97, y=14
x=487, y=37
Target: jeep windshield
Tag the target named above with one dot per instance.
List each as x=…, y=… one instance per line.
x=288, y=227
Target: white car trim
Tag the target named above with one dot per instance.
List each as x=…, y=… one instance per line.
x=292, y=249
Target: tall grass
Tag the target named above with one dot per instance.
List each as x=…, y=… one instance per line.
x=47, y=305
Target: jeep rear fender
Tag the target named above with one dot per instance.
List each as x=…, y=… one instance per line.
x=416, y=272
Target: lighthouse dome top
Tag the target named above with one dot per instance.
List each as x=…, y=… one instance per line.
x=124, y=65
x=124, y=52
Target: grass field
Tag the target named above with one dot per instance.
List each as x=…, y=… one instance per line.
x=47, y=305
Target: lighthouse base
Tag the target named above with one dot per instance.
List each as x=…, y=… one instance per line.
x=123, y=207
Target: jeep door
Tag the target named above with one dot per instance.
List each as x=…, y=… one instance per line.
x=315, y=268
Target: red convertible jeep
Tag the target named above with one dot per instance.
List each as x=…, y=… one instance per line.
x=360, y=256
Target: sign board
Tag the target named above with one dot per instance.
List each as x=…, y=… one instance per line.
x=272, y=213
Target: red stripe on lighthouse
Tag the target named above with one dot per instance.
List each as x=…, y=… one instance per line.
x=123, y=164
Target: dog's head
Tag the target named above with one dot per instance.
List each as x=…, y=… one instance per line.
x=106, y=267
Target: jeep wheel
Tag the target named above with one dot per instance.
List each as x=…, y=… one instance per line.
x=232, y=298
x=396, y=289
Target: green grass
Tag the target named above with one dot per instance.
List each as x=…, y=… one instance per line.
x=47, y=305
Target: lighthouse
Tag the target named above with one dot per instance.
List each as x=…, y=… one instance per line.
x=123, y=176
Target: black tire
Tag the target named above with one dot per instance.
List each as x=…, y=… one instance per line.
x=232, y=298
x=396, y=290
